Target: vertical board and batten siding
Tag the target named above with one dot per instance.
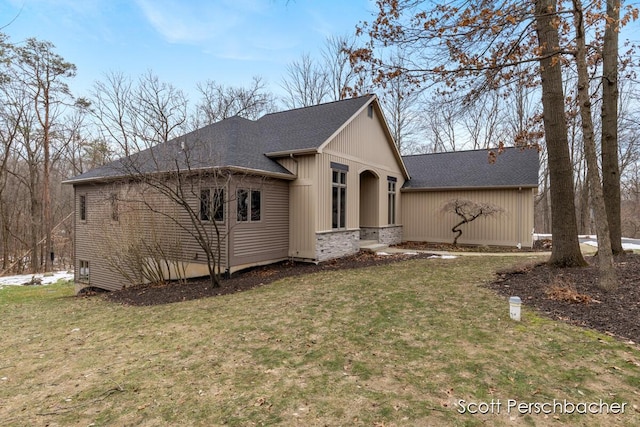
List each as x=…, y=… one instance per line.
x=370, y=199
x=423, y=219
x=303, y=206
x=363, y=145
x=266, y=240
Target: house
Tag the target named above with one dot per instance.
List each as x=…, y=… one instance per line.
x=306, y=184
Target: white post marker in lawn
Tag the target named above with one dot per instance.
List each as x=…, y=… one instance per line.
x=514, y=308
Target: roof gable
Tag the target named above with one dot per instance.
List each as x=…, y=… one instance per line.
x=514, y=167
x=308, y=128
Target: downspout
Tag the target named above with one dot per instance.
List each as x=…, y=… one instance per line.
x=519, y=221
x=228, y=233
x=292, y=157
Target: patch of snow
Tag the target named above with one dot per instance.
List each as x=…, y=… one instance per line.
x=443, y=257
x=625, y=245
x=381, y=253
x=19, y=280
x=410, y=253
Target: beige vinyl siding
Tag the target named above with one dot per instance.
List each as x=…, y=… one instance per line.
x=302, y=206
x=363, y=145
x=423, y=220
x=369, y=199
x=255, y=242
x=364, y=140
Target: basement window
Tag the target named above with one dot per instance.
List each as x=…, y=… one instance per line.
x=83, y=275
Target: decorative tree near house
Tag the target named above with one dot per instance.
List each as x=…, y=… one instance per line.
x=469, y=211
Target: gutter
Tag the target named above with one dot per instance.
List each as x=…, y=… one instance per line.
x=496, y=187
x=135, y=175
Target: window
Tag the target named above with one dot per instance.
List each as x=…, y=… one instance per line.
x=83, y=276
x=83, y=207
x=391, y=198
x=113, y=199
x=338, y=195
x=212, y=208
x=249, y=205
x=255, y=205
x=205, y=205
x=218, y=205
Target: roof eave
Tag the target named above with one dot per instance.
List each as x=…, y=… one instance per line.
x=487, y=187
x=250, y=171
x=287, y=153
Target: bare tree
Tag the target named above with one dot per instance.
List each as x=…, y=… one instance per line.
x=609, y=137
x=401, y=102
x=607, y=277
x=342, y=77
x=469, y=211
x=44, y=74
x=306, y=84
x=134, y=116
x=442, y=117
x=111, y=101
x=220, y=102
x=168, y=175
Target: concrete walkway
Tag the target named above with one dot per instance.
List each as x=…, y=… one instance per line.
x=461, y=253
x=375, y=247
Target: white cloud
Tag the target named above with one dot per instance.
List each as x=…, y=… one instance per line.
x=200, y=21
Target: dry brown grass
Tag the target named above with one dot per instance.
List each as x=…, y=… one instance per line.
x=391, y=345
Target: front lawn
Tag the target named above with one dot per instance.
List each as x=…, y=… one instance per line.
x=399, y=344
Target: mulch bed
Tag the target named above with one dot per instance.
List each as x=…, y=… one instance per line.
x=572, y=295
x=156, y=294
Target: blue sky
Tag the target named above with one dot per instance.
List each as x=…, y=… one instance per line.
x=182, y=41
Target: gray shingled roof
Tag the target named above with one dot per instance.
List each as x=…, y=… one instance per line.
x=472, y=169
x=238, y=142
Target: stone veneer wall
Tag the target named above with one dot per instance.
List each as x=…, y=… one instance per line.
x=369, y=233
x=336, y=244
x=391, y=235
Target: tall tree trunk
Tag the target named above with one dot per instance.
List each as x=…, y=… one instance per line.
x=35, y=218
x=566, y=248
x=610, y=162
x=46, y=193
x=606, y=269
